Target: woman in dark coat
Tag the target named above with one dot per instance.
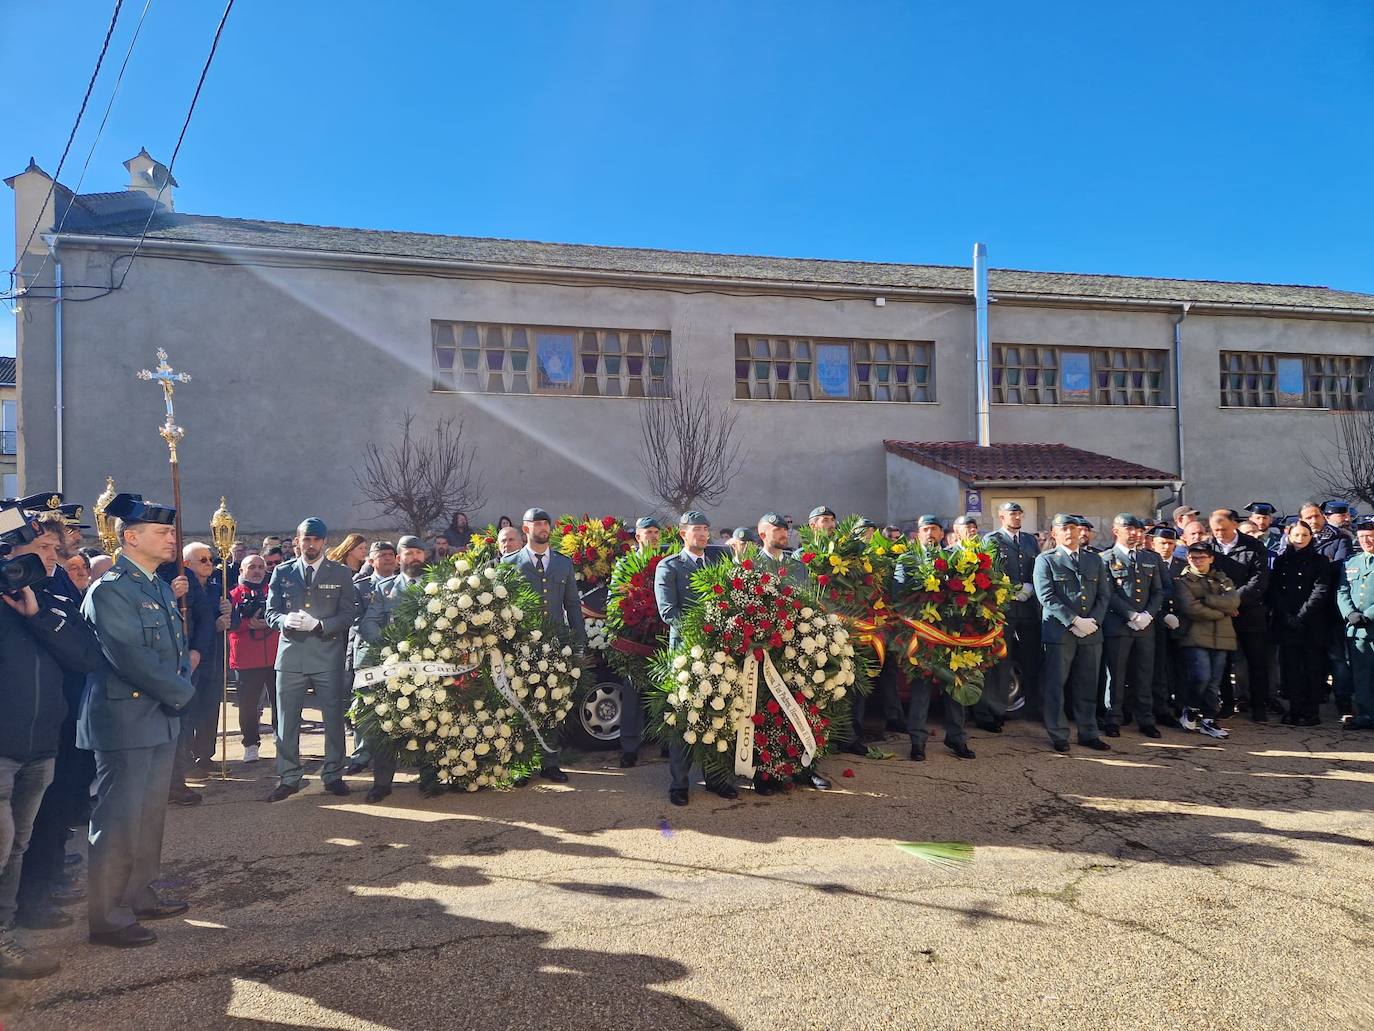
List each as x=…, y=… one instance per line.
x=1299, y=602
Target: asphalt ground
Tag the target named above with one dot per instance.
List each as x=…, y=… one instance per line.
x=1180, y=883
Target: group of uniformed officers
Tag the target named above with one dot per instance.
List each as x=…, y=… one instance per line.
x=1154, y=630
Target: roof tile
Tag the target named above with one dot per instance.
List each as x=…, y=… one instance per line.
x=971, y=463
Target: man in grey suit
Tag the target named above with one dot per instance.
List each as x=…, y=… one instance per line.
x=131, y=718
x=1072, y=586
x=381, y=558
x=312, y=602
x=1016, y=554
x=554, y=580
x=675, y=597
x=1128, y=651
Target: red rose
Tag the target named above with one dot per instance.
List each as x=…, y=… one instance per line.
x=772, y=705
x=737, y=584
x=760, y=738
x=822, y=579
x=808, y=557
x=982, y=582
x=956, y=584
x=582, y=527
x=758, y=655
x=786, y=591
x=747, y=564
x=787, y=770
x=775, y=641
x=718, y=588
x=793, y=751
x=708, y=628
x=796, y=605
x=765, y=756
x=591, y=554
x=757, y=718
x=941, y=565
x=984, y=560
x=607, y=522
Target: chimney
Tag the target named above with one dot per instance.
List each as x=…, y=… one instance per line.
x=150, y=177
x=38, y=202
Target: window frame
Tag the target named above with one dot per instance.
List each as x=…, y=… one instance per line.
x=1039, y=372
x=1328, y=381
x=917, y=357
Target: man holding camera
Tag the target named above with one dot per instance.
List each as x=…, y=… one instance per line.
x=39, y=639
x=131, y=718
x=252, y=652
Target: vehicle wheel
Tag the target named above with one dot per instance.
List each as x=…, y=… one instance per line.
x=1014, y=700
x=595, y=719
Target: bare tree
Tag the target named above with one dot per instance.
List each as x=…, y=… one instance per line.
x=422, y=477
x=1349, y=470
x=691, y=449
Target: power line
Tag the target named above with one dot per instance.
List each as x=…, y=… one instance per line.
x=72, y=135
x=36, y=277
x=214, y=45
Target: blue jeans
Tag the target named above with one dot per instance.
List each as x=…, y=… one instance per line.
x=21, y=793
x=1203, y=669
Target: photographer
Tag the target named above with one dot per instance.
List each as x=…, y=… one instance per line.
x=252, y=652
x=41, y=636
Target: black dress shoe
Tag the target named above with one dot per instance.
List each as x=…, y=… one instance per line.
x=162, y=910
x=433, y=790
x=678, y=796
x=961, y=749
x=1259, y=716
x=1289, y=720
x=918, y=755
x=818, y=782
x=1310, y=721
x=554, y=774
x=130, y=937
x=997, y=725
x=1096, y=744
x=1111, y=730
x=1149, y=730
x=43, y=918
x=856, y=747
x=725, y=790
x=896, y=725
x=987, y=725
x=182, y=795
x=283, y=791
x=66, y=894
x=337, y=787
x=763, y=787
x=1061, y=746
x=353, y=769
x=628, y=759
x=376, y=794
x=520, y=781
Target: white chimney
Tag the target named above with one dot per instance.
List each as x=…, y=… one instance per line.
x=149, y=176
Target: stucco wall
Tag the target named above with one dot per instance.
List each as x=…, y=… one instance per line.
x=295, y=369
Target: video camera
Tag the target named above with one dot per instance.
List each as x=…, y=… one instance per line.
x=16, y=530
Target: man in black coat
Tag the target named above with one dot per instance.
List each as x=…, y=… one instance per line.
x=1245, y=562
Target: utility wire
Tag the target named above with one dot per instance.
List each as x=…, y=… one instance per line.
x=214, y=45
x=71, y=136
x=36, y=277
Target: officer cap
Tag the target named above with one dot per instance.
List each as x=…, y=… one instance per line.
x=1165, y=531
x=865, y=524
x=929, y=520
x=966, y=520
x=821, y=510
x=1010, y=506
x=312, y=527
x=380, y=546
x=410, y=541
x=43, y=501
x=1365, y=523
x=773, y=519
x=1083, y=522
x=1261, y=508
x=744, y=533
x=131, y=508
x=1064, y=519
x=1199, y=546
x=890, y=527
x=647, y=523
x=1335, y=507
x=1127, y=519
x=71, y=515
x=536, y=515
x=693, y=518
x=1184, y=510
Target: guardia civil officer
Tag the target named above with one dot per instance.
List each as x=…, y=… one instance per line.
x=675, y=597
x=381, y=565
x=1016, y=551
x=648, y=532
x=1355, y=598
x=131, y=717
x=1128, y=650
x=1262, y=514
x=772, y=558
x=1071, y=586
x=555, y=581
x=1163, y=541
x=312, y=602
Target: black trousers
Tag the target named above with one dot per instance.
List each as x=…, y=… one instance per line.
x=1302, y=660
x=1258, y=648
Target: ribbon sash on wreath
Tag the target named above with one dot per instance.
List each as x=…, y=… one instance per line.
x=777, y=687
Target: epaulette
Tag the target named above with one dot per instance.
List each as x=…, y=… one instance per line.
x=111, y=574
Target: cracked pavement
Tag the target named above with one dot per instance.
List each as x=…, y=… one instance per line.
x=1168, y=884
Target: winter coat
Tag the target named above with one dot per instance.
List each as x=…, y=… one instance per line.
x=250, y=647
x=1247, y=566
x=1300, y=595
x=1210, y=602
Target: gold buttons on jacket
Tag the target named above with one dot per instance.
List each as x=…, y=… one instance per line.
x=134, y=694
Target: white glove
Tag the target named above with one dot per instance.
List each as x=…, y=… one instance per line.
x=308, y=622
x=1082, y=626
x=1171, y=621
x=1143, y=620
x=300, y=620
x=1026, y=592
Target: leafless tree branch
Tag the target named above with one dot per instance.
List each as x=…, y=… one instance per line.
x=1349, y=471
x=691, y=452
x=423, y=478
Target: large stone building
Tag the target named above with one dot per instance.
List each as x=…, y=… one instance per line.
x=306, y=342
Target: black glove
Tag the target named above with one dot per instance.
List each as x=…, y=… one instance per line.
x=1357, y=618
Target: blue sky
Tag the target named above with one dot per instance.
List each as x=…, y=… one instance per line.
x=1225, y=140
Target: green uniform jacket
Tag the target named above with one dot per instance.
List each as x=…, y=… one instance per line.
x=786, y=568
x=1355, y=593
x=134, y=700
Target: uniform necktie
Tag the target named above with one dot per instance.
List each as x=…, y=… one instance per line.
x=309, y=577
x=539, y=564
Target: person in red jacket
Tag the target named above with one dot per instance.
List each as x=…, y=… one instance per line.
x=252, y=652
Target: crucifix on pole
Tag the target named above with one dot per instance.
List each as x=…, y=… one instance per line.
x=170, y=432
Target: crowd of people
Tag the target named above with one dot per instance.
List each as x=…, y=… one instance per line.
x=112, y=674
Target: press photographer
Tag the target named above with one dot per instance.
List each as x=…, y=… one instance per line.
x=252, y=652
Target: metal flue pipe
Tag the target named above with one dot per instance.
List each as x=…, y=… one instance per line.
x=984, y=370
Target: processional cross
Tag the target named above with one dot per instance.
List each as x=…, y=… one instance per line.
x=165, y=377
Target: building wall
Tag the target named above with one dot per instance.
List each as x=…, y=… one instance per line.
x=9, y=463
x=296, y=369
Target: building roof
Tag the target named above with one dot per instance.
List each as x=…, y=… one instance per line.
x=1024, y=463
x=7, y=372
x=1007, y=284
